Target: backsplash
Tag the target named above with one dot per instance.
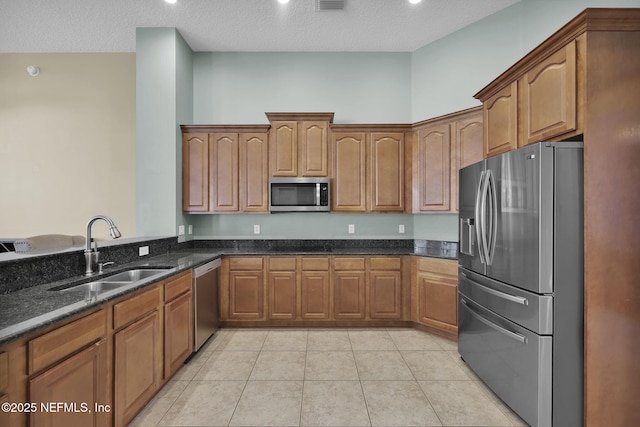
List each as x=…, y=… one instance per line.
x=21, y=273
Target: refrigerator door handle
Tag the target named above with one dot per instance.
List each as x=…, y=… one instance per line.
x=516, y=336
x=493, y=217
x=478, y=215
x=503, y=295
x=483, y=236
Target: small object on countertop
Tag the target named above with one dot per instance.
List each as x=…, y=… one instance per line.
x=47, y=242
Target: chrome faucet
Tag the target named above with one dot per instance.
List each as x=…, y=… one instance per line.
x=91, y=256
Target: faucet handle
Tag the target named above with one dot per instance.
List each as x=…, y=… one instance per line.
x=101, y=265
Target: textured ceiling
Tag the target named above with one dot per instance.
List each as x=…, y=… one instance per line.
x=236, y=25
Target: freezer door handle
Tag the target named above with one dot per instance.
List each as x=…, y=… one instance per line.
x=503, y=295
x=516, y=336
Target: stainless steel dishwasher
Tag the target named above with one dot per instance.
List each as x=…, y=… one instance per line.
x=205, y=302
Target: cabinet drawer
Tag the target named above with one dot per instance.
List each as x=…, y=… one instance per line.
x=315, y=263
x=348, y=263
x=4, y=371
x=244, y=263
x=177, y=285
x=136, y=307
x=438, y=266
x=58, y=344
x=282, y=263
x=386, y=263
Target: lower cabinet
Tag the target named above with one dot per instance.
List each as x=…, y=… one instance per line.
x=80, y=383
x=282, y=288
x=436, y=292
x=178, y=332
x=349, y=292
x=385, y=288
x=315, y=301
x=138, y=352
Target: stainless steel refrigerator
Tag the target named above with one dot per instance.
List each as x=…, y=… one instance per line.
x=520, y=305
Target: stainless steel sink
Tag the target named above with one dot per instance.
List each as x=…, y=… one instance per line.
x=130, y=276
x=97, y=287
x=118, y=280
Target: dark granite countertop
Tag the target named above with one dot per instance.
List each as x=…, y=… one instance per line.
x=34, y=308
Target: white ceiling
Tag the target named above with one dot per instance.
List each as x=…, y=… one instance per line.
x=236, y=25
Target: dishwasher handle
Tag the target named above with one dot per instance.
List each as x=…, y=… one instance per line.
x=204, y=269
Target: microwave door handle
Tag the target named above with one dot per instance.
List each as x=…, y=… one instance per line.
x=317, y=194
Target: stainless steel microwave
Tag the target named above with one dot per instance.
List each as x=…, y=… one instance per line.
x=299, y=195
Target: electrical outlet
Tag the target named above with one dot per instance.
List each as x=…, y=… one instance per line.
x=143, y=250
x=256, y=229
x=181, y=230
x=352, y=228
x=190, y=229
x=401, y=228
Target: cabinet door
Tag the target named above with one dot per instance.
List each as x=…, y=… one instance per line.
x=466, y=149
x=282, y=295
x=195, y=172
x=246, y=295
x=349, y=172
x=501, y=121
x=283, y=152
x=387, y=172
x=137, y=366
x=549, y=101
x=81, y=379
x=385, y=298
x=254, y=174
x=223, y=163
x=349, y=295
x=178, y=332
x=314, y=153
x=438, y=301
x=314, y=292
x=434, y=151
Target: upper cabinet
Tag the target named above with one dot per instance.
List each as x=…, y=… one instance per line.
x=368, y=168
x=439, y=149
x=225, y=168
x=299, y=144
x=539, y=99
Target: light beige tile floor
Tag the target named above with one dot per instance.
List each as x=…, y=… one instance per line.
x=326, y=377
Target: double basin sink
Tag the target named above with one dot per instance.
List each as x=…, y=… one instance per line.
x=109, y=283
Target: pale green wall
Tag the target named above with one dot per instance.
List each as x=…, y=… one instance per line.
x=184, y=114
x=358, y=87
x=238, y=88
x=447, y=73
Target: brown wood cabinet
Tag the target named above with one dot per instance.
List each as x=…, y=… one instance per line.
x=385, y=288
x=178, y=322
x=436, y=295
x=440, y=148
x=195, y=172
x=349, y=288
x=225, y=168
x=315, y=288
x=548, y=94
x=242, y=288
x=501, y=121
x=282, y=288
x=223, y=172
x=387, y=172
x=299, y=144
x=138, y=361
x=349, y=171
x=79, y=382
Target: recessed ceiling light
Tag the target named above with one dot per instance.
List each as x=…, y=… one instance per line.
x=171, y=1
x=283, y=1
x=414, y=1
